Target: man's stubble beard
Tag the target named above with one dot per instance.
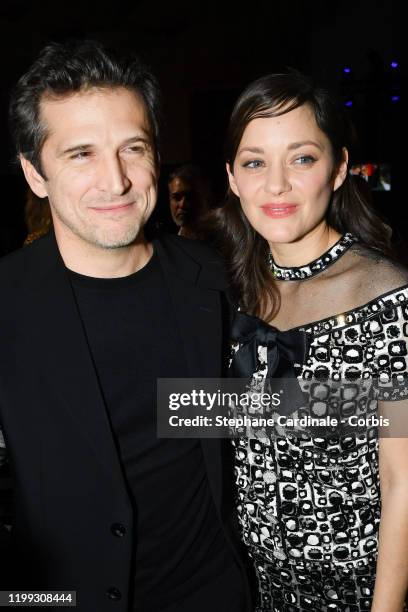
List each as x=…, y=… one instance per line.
x=102, y=238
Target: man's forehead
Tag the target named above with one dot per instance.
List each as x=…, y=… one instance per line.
x=91, y=109
x=177, y=183
x=90, y=98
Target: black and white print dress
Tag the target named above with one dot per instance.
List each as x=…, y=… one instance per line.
x=309, y=507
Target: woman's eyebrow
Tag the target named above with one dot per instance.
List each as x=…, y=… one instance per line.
x=251, y=150
x=296, y=145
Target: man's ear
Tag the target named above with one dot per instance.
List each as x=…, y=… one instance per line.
x=231, y=179
x=33, y=178
x=341, y=171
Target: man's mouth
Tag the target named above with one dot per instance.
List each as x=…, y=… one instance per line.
x=112, y=207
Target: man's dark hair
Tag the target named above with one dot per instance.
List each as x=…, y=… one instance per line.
x=63, y=69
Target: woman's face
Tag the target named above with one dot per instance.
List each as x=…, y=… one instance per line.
x=284, y=175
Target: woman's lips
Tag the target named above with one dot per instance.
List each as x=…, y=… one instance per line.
x=278, y=211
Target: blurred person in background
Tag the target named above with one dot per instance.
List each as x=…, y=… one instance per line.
x=37, y=217
x=190, y=199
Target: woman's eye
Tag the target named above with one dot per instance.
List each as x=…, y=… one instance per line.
x=253, y=163
x=304, y=159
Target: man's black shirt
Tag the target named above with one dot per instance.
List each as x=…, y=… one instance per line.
x=133, y=338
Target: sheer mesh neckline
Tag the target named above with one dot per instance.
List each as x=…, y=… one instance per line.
x=386, y=301
x=317, y=265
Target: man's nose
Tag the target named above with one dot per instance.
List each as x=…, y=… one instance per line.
x=276, y=180
x=113, y=176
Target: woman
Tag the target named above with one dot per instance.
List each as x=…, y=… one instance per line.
x=325, y=519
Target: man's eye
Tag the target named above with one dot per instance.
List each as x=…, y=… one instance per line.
x=136, y=149
x=80, y=155
x=253, y=163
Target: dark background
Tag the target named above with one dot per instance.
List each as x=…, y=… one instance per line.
x=204, y=54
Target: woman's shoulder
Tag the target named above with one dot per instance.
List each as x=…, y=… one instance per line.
x=373, y=274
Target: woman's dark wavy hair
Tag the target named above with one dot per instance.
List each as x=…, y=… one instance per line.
x=349, y=209
x=62, y=69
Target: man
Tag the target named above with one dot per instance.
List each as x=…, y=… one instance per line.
x=91, y=316
x=189, y=197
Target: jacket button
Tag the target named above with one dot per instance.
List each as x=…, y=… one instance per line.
x=118, y=530
x=113, y=593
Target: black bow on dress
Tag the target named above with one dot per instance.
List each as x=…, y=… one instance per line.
x=283, y=350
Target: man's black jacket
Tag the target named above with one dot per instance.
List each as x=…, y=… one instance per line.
x=69, y=487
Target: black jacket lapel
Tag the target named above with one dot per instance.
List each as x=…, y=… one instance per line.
x=195, y=292
x=65, y=351
x=197, y=308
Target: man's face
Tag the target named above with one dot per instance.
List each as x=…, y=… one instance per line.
x=180, y=200
x=99, y=165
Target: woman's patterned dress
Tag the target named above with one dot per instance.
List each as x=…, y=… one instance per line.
x=309, y=505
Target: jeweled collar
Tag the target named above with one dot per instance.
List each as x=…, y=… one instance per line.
x=317, y=265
